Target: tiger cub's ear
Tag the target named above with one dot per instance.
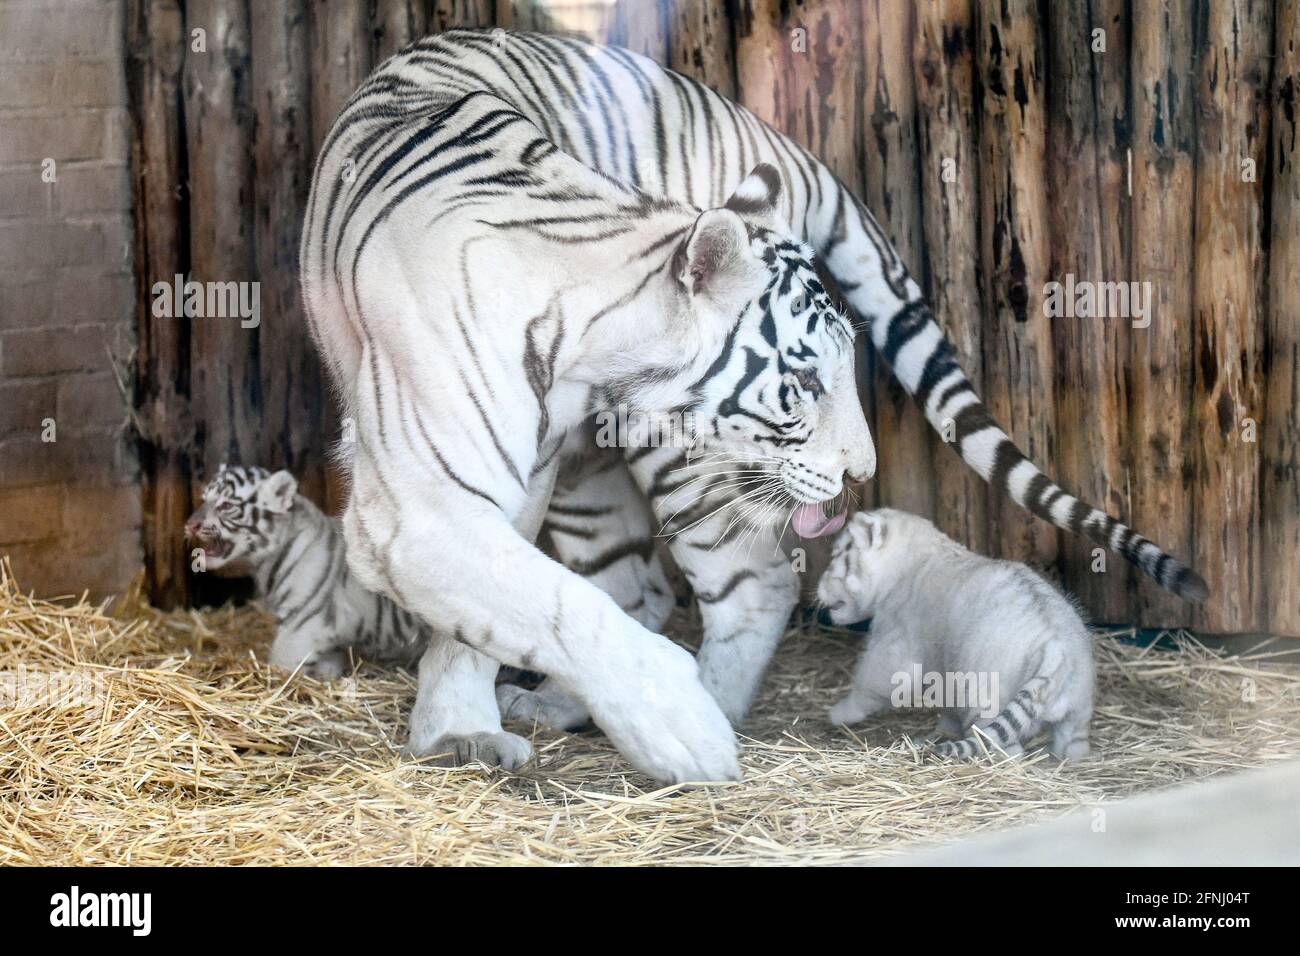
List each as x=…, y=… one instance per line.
x=715, y=260
x=758, y=198
x=868, y=530
x=276, y=493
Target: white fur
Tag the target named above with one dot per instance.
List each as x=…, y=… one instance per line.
x=935, y=604
x=469, y=568
x=294, y=553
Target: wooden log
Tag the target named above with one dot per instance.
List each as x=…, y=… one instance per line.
x=642, y=27
x=446, y=14
x=1114, y=590
x=156, y=45
x=804, y=83
x=1281, y=494
x=219, y=133
x=1232, y=136
x=396, y=23
x=340, y=60
x=225, y=383
x=1090, y=389
x=1018, y=381
x=943, y=62
x=1164, y=144
x=891, y=171
x=596, y=20
x=522, y=15
x=795, y=69
x=701, y=44
x=292, y=385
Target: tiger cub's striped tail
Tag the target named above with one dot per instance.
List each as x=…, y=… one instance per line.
x=926, y=364
x=1015, y=726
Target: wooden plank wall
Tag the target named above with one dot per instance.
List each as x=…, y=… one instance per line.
x=1001, y=143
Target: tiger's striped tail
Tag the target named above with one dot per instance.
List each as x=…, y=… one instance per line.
x=926, y=365
x=1013, y=727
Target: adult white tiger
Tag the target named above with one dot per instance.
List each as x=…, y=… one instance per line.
x=504, y=236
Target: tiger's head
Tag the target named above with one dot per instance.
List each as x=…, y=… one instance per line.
x=780, y=393
x=244, y=517
x=877, y=551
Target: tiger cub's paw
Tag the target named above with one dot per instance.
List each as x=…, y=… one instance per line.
x=326, y=667
x=547, y=706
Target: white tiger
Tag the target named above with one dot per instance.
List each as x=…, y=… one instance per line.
x=253, y=522
x=510, y=233
x=939, y=610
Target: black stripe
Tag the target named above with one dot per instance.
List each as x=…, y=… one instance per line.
x=972, y=420
x=1006, y=458
x=732, y=583
x=996, y=727
x=1034, y=492
x=584, y=533
x=1158, y=572
x=954, y=390
x=941, y=363
x=1078, y=513
x=579, y=511
x=641, y=548
x=1009, y=716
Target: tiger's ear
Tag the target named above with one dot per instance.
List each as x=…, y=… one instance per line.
x=758, y=197
x=868, y=530
x=276, y=493
x=714, y=260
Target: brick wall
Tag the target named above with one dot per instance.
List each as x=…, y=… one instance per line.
x=70, y=507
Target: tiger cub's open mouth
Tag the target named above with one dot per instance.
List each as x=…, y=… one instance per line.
x=216, y=548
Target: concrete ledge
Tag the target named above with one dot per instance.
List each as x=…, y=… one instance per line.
x=1247, y=819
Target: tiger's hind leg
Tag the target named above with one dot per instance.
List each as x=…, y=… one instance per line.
x=599, y=526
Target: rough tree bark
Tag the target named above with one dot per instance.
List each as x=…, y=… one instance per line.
x=292, y=385
x=1281, y=497
x=1164, y=145
x=700, y=44
x=226, y=384
x=1089, y=371
x=1013, y=228
x=943, y=62
x=156, y=44
x=891, y=171
x=1232, y=137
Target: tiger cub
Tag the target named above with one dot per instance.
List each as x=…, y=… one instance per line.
x=991, y=642
x=253, y=522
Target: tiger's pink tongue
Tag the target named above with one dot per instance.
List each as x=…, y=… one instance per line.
x=809, y=522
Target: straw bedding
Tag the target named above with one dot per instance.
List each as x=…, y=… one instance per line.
x=191, y=750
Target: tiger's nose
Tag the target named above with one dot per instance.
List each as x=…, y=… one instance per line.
x=193, y=527
x=858, y=477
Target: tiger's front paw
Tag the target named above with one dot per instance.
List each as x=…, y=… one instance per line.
x=663, y=720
